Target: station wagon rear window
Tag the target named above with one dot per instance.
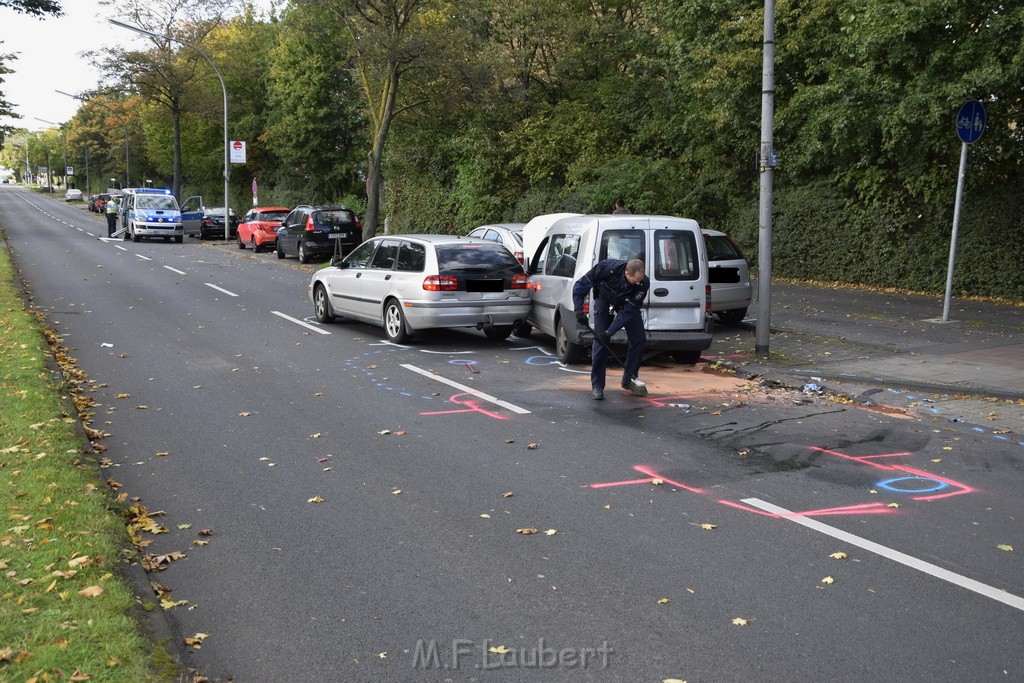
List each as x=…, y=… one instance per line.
x=333, y=219
x=475, y=257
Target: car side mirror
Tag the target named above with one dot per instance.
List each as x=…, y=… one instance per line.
x=339, y=262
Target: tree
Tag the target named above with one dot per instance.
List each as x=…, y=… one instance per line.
x=35, y=7
x=165, y=73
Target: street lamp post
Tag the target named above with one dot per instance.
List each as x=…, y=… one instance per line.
x=127, y=176
x=224, y=90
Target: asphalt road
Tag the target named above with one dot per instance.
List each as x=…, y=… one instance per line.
x=230, y=410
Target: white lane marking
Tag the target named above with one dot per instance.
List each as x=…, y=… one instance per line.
x=145, y=258
x=469, y=390
x=219, y=289
x=300, y=322
x=894, y=555
x=445, y=353
x=118, y=246
x=79, y=230
x=179, y=272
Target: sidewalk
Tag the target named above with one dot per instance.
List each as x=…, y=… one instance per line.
x=882, y=348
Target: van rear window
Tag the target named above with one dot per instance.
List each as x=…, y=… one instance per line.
x=675, y=255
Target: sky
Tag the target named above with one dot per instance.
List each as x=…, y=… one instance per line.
x=51, y=59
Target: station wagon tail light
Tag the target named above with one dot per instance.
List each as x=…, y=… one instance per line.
x=707, y=299
x=441, y=283
x=520, y=281
x=309, y=223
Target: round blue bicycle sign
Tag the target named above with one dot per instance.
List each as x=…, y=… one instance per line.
x=970, y=121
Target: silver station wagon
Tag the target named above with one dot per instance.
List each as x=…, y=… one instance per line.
x=407, y=283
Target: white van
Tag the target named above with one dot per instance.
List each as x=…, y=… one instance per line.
x=535, y=229
x=677, y=312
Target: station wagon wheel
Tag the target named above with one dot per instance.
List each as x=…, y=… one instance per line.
x=322, y=305
x=732, y=317
x=303, y=256
x=522, y=329
x=394, y=322
x=498, y=332
x=567, y=352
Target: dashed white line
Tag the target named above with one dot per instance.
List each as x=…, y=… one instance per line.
x=300, y=322
x=179, y=272
x=219, y=289
x=144, y=258
x=894, y=555
x=118, y=246
x=469, y=390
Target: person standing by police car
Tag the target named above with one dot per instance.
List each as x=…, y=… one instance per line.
x=620, y=288
x=111, y=209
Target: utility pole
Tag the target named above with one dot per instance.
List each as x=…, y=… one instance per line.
x=767, y=160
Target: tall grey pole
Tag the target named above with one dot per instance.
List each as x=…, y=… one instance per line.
x=956, y=229
x=766, y=163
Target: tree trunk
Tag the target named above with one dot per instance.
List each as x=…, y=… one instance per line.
x=380, y=138
x=176, y=125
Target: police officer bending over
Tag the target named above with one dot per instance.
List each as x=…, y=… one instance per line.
x=620, y=288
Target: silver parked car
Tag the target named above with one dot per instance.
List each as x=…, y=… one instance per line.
x=729, y=275
x=407, y=283
x=509, y=234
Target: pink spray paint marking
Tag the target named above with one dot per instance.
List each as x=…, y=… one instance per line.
x=471, y=407
x=875, y=508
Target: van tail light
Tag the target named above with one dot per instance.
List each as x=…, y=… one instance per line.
x=520, y=281
x=707, y=299
x=309, y=223
x=441, y=283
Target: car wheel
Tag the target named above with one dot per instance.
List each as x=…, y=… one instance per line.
x=498, y=332
x=303, y=256
x=280, y=254
x=179, y=239
x=567, y=352
x=255, y=247
x=135, y=238
x=686, y=357
x=522, y=329
x=199, y=235
x=322, y=305
x=241, y=244
x=732, y=317
x=394, y=322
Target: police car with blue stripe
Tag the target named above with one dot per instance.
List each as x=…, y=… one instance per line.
x=150, y=212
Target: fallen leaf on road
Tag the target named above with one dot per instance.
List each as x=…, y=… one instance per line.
x=315, y=436
x=315, y=499
x=838, y=555
x=184, y=526
x=205, y=532
x=1003, y=546
x=400, y=433
x=244, y=414
x=550, y=532
x=936, y=459
x=507, y=494
x=663, y=601
x=739, y=621
x=123, y=396
x=162, y=453
x=893, y=505
x=196, y=641
x=532, y=446
x=707, y=527
x=384, y=431
x=485, y=516
x=500, y=650
x=526, y=532
x=510, y=440
x=657, y=482
x=396, y=491
x=672, y=680
x=828, y=580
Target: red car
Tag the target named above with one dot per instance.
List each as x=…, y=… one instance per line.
x=258, y=228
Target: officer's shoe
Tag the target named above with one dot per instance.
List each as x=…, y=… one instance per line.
x=628, y=386
x=597, y=394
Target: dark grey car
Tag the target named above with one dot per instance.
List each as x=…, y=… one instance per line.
x=321, y=232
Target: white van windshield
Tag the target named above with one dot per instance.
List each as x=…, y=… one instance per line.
x=624, y=245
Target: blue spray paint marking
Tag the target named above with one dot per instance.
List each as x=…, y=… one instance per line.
x=888, y=485
x=537, y=360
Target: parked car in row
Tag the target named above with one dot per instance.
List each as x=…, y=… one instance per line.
x=508, y=234
x=677, y=314
x=729, y=275
x=258, y=228
x=98, y=202
x=206, y=221
x=407, y=283
x=73, y=195
x=310, y=232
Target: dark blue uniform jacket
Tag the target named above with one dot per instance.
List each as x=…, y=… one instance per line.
x=608, y=280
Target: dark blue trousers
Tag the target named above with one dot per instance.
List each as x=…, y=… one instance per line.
x=628, y=319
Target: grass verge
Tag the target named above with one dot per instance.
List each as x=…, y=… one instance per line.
x=66, y=608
